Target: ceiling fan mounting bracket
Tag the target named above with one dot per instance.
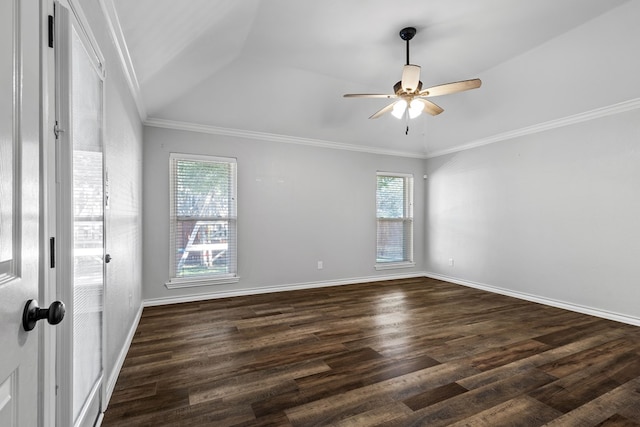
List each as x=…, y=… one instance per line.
x=407, y=33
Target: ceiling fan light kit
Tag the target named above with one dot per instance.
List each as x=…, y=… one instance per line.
x=412, y=99
x=399, y=108
x=415, y=108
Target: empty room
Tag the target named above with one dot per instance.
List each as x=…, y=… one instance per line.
x=300, y=213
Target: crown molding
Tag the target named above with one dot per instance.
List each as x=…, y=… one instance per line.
x=117, y=36
x=618, y=108
x=263, y=136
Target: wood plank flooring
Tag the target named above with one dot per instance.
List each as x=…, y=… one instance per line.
x=415, y=352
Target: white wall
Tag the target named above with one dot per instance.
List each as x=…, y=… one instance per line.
x=551, y=216
x=123, y=158
x=296, y=205
x=554, y=215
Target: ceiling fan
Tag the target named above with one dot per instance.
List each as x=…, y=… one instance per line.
x=413, y=100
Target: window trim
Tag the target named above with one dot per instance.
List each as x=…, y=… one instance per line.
x=205, y=279
x=409, y=203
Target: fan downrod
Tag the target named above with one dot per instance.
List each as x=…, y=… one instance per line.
x=407, y=34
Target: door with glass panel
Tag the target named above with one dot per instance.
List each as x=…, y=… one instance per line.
x=80, y=220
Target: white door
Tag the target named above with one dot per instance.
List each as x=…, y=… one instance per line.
x=20, y=212
x=80, y=220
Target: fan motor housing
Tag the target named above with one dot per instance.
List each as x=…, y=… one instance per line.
x=397, y=88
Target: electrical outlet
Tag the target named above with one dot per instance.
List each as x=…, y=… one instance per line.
x=320, y=265
x=451, y=262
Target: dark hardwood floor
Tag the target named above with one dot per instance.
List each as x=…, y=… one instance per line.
x=416, y=352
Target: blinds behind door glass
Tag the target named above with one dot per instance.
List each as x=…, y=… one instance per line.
x=88, y=238
x=203, y=217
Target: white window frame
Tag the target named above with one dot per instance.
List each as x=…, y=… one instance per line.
x=408, y=262
x=205, y=279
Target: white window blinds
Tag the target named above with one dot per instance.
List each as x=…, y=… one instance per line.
x=203, y=219
x=394, y=209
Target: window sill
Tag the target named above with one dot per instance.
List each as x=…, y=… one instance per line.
x=208, y=281
x=394, y=265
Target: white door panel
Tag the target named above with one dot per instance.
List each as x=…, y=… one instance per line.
x=19, y=209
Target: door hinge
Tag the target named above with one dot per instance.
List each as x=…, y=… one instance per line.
x=50, y=31
x=57, y=130
x=52, y=252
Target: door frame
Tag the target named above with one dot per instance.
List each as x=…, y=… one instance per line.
x=48, y=290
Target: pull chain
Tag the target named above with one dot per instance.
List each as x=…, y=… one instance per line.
x=406, y=115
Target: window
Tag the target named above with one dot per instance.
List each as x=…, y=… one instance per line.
x=394, y=207
x=203, y=220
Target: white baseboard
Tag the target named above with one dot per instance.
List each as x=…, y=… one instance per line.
x=310, y=285
x=279, y=288
x=541, y=300
x=113, y=377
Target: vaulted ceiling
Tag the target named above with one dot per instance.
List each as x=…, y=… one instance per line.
x=281, y=66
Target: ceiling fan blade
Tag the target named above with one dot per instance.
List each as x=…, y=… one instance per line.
x=369, y=95
x=431, y=108
x=383, y=110
x=448, y=88
x=410, y=78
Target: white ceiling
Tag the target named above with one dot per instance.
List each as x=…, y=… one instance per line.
x=281, y=66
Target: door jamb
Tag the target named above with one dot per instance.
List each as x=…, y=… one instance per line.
x=47, y=291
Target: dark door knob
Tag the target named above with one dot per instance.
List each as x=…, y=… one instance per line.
x=107, y=258
x=32, y=313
